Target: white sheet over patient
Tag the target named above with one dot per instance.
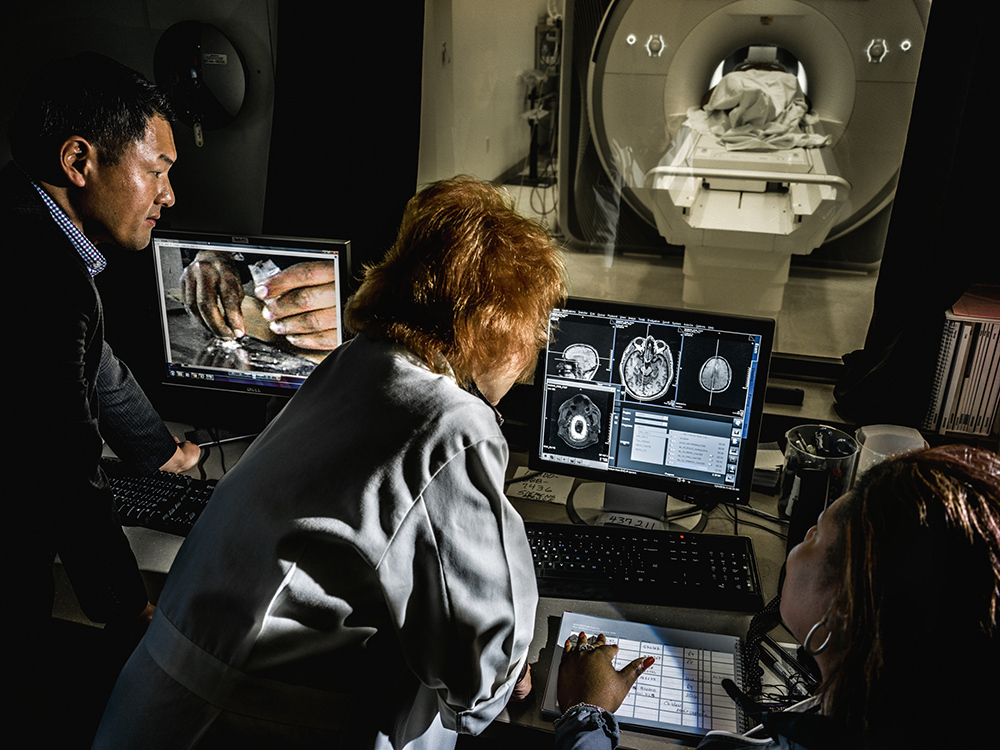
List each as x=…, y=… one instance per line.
x=760, y=110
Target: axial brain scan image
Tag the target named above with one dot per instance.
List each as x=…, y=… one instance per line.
x=715, y=375
x=579, y=422
x=647, y=368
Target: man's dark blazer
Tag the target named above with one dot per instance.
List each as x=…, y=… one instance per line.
x=67, y=387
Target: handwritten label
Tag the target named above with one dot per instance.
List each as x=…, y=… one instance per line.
x=546, y=488
x=635, y=522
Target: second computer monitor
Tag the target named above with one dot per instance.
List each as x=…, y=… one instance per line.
x=652, y=398
x=197, y=349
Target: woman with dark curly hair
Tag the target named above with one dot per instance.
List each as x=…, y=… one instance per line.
x=359, y=579
x=895, y=592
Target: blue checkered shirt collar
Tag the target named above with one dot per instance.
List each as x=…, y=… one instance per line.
x=87, y=250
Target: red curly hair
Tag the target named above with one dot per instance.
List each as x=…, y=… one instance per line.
x=468, y=284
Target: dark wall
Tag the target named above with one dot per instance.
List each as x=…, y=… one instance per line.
x=343, y=152
x=940, y=238
x=346, y=129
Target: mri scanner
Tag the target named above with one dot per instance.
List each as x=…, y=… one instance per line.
x=741, y=213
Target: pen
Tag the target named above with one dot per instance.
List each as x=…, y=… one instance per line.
x=791, y=682
x=805, y=675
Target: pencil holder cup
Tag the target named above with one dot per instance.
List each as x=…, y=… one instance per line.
x=819, y=467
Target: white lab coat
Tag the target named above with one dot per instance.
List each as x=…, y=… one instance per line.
x=358, y=578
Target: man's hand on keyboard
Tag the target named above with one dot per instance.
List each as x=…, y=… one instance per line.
x=185, y=457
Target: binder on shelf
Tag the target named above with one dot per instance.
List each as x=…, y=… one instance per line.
x=966, y=387
x=949, y=337
x=973, y=367
x=988, y=412
x=956, y=376
x=992, y=409
x=946, y=352
x=989, y=361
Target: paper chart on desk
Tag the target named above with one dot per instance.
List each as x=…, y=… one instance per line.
x=544, y=487
x=681, y=694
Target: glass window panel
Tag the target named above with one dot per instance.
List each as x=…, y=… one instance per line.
x=747, y=207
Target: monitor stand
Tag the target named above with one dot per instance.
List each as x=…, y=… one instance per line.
x=600, y=504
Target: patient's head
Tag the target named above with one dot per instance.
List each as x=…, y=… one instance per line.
x=467, y=286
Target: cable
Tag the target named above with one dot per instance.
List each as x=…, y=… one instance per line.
x=206, y=451
x=215, y=438
x=767, y=516
x=222, y=454
x=730, y=510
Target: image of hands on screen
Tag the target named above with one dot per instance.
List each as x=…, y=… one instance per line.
x=297, y=303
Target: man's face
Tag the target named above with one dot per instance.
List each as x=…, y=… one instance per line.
x=121, y=203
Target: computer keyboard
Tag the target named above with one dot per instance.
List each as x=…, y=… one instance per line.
x=162, y=501
x=679, y=569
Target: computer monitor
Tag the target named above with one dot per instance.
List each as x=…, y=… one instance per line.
x=654, y=402
x=261, y=362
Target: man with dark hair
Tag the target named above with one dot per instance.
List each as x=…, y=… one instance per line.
x=92, y=145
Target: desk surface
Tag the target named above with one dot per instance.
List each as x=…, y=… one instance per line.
x=155, y=552
x=770, y=552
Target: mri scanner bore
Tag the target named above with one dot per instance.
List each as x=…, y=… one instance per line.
x=749, y=131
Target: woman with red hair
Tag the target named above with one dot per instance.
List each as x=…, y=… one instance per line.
x=359, y=578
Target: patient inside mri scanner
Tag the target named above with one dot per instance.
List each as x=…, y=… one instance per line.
x=758, y=108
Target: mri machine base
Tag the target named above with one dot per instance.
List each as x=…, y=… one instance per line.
x=735, y=280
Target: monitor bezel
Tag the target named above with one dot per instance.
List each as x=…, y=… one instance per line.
x=262, y=387
x=705, y=495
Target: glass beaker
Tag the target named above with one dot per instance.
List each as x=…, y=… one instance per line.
x=818, y=459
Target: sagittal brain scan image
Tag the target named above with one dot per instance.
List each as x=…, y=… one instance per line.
x=578, y=361
x=715, y=375
x=647, y=368
x=579, y=422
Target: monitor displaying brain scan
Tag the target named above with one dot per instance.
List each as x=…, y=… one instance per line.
x=652, y=397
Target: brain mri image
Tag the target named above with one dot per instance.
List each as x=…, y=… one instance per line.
x=647, y=368
x=715, y=371
x=715, y=375
x=579, y=422
x=579, y=361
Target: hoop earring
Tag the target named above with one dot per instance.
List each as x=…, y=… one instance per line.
x=807, y=645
